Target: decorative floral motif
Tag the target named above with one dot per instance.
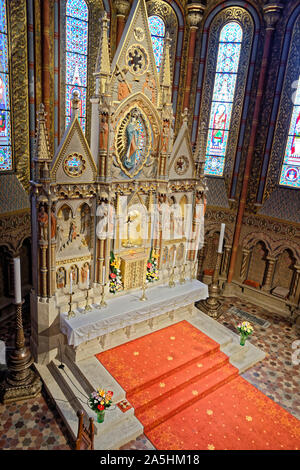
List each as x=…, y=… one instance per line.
x=115, y=283
x=152, y=271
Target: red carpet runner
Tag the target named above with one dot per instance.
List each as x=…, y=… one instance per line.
x=188, y=396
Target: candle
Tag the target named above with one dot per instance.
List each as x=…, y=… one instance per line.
x=71, y=282
x=17, y=279
x=88, y=278
x=220, y=247
x=103, y=276
x=174, y=259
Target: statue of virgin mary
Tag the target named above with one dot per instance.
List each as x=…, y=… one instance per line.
x=132, y=135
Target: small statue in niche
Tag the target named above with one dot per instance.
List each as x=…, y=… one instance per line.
x=72, y=232
x=43, y=223
x=60, y=278
x=165, y=136
x=84, y=272
x=84, y=219
x=132, y=135
x=60, y=238
x=103, y=140
x=53, y=223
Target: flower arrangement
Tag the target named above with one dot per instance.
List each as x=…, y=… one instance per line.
x=245, y=329
x=99, y=401
x=152, y=271
x=115, y=281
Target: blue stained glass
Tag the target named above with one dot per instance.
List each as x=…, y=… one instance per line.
x=3, y=19
x=77, y=9
x=231, y=32
x=76, y=69
x=157, y=30
x=290, y=172
x=157, y=26
x=222, y=99
x=76, y=56
x=77, y=36
x=3, y=53
x=5, y=124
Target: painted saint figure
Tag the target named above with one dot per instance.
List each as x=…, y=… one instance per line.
x=43, y=223
x=132, y=135
x=219, y=127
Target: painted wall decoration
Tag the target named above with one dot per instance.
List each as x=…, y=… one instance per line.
x=5, y=122
x=76, y=56
x=157, y=31
x=290, y=173
x=222, y=100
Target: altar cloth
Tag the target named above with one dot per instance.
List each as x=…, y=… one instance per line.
x=127, y=310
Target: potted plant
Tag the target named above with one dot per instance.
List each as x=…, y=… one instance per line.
x=152, y=271
x=245, y=329
x=99, y=401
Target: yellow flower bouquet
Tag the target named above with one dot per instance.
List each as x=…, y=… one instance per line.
x=245, y=329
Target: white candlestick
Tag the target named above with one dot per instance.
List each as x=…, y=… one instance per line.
x=17, y=279
x=71, y=282
x=220, y=247
x=174, y=259
x=88, y=279
x=103, y=276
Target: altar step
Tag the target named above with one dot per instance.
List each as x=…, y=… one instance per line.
x=69, y=388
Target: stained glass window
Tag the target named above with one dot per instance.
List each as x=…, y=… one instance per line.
x=76, y=56
x=222, y=99
x=290, y=172
x=5, y=117
x=157, y=31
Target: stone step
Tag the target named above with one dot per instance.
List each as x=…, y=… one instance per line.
x=69, y=389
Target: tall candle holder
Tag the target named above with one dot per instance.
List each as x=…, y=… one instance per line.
x=20, y=382
x=103, y=303
x=87, y=306
x=144, y=292
x=71, y=313
x=212, y=305
x=182, y=274
x=171, y=280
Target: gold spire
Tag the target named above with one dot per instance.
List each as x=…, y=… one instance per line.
x=103, y=61
x=165, y=72
x=42, y=150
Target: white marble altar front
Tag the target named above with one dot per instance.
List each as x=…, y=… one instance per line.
x=127, y=317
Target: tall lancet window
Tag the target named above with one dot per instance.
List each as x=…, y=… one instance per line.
x=222, y=99
x=76, y=55
x=157, y=30
x=290, y=172
x=5, y=122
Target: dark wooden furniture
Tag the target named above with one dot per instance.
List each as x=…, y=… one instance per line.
x=85, y=436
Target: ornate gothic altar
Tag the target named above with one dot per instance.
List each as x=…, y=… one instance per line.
x=124, y=211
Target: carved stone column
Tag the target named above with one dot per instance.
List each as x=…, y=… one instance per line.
x=122, y=8
x=269, y=274
x=245, y=260
x=194, y=17
x=295, y=284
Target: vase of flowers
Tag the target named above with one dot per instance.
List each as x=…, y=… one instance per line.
x=99, y=401
x=152, y=270
x=115, y=278
x=245, y=329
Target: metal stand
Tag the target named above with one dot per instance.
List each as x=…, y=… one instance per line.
x=71, y=313
x=103, y=303
x=182, y=274
x=211, y=306
x=20, y=383
x=87, y=306
x=171, y=281
x=144, y=292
